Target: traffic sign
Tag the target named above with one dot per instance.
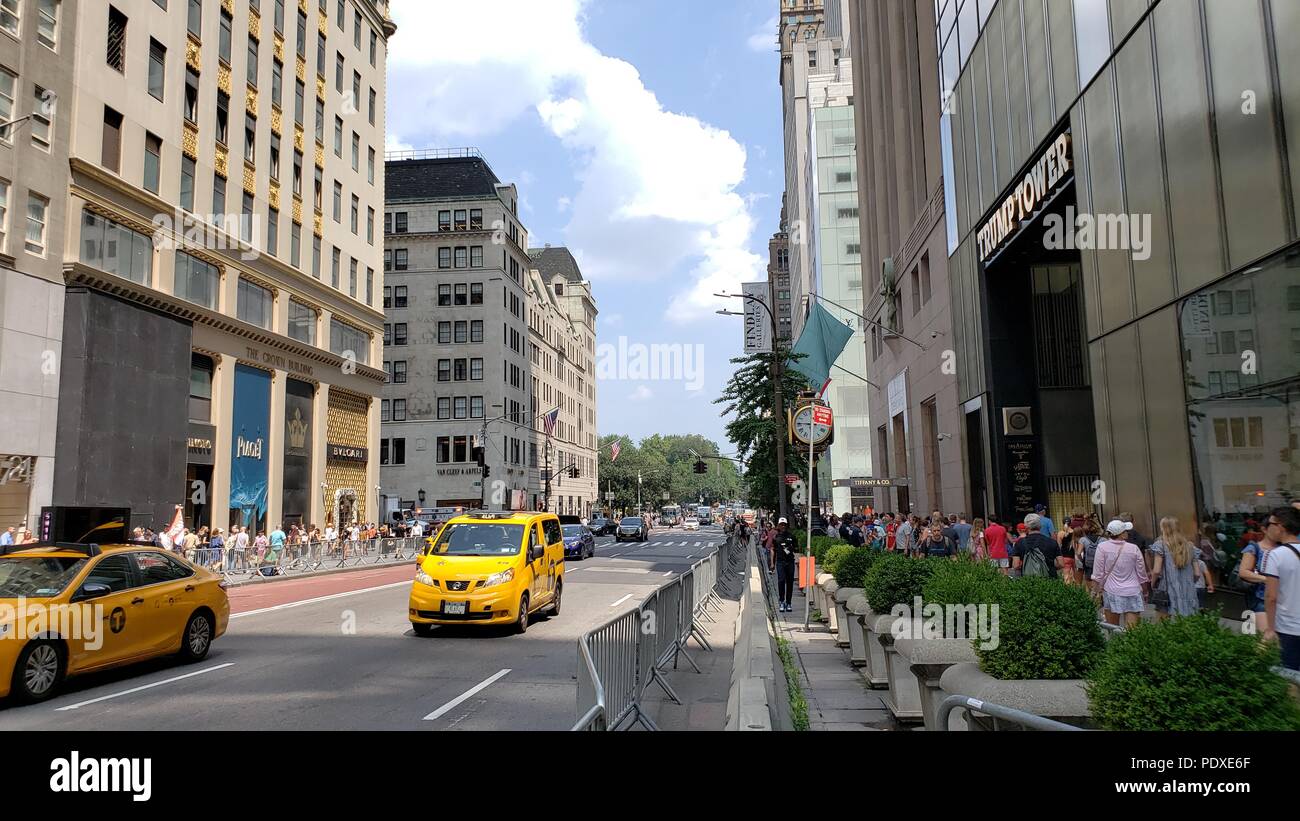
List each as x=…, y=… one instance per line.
x=609, y=495
x=791, y=479
x=822, y=415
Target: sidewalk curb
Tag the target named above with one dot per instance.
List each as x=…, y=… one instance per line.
x=333, y=571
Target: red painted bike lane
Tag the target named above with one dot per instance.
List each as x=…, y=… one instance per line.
x=259, y=595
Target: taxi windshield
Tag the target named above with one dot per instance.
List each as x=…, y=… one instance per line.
x=479, y=539
x=35, y=577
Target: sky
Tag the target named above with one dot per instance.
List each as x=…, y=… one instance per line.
x=644, y=135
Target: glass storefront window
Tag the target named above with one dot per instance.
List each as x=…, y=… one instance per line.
x=1242, y=378
x=196, y=280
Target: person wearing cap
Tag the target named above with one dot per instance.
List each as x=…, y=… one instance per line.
x=1035, y=539
x=784, y=551
x=1282, y=589
x=1120, y=571
x=1048, y=526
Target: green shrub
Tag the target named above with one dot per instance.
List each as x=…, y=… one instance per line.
x=833, y=557
x=1190, y=674
x=964, y=582
x=851, y=571
x=1046, y=630
x=895, y=579
x=821, y=546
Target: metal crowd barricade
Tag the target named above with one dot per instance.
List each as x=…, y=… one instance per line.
x=998, y=713
x=298, y=559
x=618, y=661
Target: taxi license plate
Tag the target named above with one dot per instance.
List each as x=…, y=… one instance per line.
x=454, y=608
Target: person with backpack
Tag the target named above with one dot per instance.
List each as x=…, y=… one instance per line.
x=1282, y=591
x=1120, y=572
x=936, y=545
x=1250, y=571
x=1035, y=554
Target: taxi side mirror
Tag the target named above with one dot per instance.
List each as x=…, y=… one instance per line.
x=535, y=552
x=91, y=591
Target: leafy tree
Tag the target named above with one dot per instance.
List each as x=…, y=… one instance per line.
x=666, y=464
x=748, y=398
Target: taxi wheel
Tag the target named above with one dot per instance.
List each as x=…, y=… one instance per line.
x=38, y=671
x=422, y=629
x=197, y=638
x=521, y=624
x=555, y=603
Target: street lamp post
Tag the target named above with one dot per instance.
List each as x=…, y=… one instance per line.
x=778, y=375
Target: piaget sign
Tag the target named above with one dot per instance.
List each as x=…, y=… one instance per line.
x=1042, y=179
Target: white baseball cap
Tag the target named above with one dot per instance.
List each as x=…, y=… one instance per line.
x=1117, y=527
x=782, y=521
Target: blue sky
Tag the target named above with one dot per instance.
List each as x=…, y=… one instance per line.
x=645, y=135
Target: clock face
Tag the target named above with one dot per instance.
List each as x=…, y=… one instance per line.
x=806, y=431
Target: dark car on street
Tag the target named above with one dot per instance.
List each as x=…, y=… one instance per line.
x=632, y=529
x=578, y=542
x=600, y=526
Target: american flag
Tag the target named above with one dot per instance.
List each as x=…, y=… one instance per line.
x=177, y=525
x=549, y=420
x=614, y=450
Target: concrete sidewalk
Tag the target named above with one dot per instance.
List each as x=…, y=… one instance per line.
x=838, y=696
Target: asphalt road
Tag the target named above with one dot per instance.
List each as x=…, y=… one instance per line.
x=337, y=653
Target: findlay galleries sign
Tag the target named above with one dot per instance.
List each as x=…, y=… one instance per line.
x=758, y=329
x=1043, y=178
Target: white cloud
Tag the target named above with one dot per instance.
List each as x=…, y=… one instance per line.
x=765, y=38
x=612, y=320
x=641, y=394
x=657, y=189
x=562, y=204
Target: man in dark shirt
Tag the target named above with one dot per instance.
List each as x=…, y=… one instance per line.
x=784, y=552
x=1142, y=542
x=950, y=529
x=1034, y=538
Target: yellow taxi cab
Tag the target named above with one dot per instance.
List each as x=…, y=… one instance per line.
x=489, y=567
x=67, y=609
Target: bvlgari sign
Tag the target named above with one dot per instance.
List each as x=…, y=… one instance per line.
x=1043, y=178
x=347, y=453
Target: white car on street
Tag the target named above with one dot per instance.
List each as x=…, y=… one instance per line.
x=691, y=523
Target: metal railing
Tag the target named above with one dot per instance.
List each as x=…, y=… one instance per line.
x=998, y=712
x=619, y=660
x=253, y=563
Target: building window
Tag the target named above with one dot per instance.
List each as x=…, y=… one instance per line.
x=476, y=256
x=255, y=304
x=295, y=245
x=352, y=277
x=338, y=72
x=272, y=232
x=373, y=101
x=111, y=142
x=251, y=71
x=399, y=296
x=400, y=259
x=462, y=294
x=157, y=67
x=279, y=16
x=374, y=47
x=335, y=260
x=385, y=411
x=444, y=407
x=444, y=333
x=462, y=257
x=338, y=137
x=476, y=330
x=462, y=407
x=356, y=151
x=461, y=370
x=37, y=211
x=299, y=95
x=277, y=81
x=370, y=165
x=399, y=333
x=200, y=405
x=223, y=39
x=399, y=410
x=444, y=370
x=352, y=343
x=197, y=281
x=476, y=293
x=43, y=103
x=114, y=248
x=116, y=44
x=191, y=95
x=315, y=257
x=194, y=21
x=8, y=90
x=320, y=122
x=152, y=162
x=246, y=221
x=223, y=117
x=338, y=201
x=444, y=220
x=462, y=332
x=370, y=225
x=399, y=222
x=444, y=258
x=320, y=55
x=444, y=295
x=399, y=371
x=187, y=183
x=218, y=196
x=356, y=214
x=476, y=370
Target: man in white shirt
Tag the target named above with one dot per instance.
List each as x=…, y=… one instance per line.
x=241, y=545
x=417, y=529
x=1282, y=587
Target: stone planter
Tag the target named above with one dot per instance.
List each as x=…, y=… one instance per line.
x=843, y=622
x=855, y=608
x=1063, y=700
x=904, y=696
x=819, y=593
x=875, y=671
x=829, y=615
x=928, y=659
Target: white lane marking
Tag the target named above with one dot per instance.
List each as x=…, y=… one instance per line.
x=618, y=570
x=697, y=544
x=319, y=599
x=683, y=544
x=144, y=687
x=471, y=691
x=620, y=601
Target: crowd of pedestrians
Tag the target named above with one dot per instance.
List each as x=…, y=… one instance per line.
x=1123, y=570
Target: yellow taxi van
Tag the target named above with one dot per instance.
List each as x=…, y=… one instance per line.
x=489, y=568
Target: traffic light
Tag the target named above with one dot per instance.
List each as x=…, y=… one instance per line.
x=480, y=457
x=573, y=472
x=701, y=467
x=487, y=471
